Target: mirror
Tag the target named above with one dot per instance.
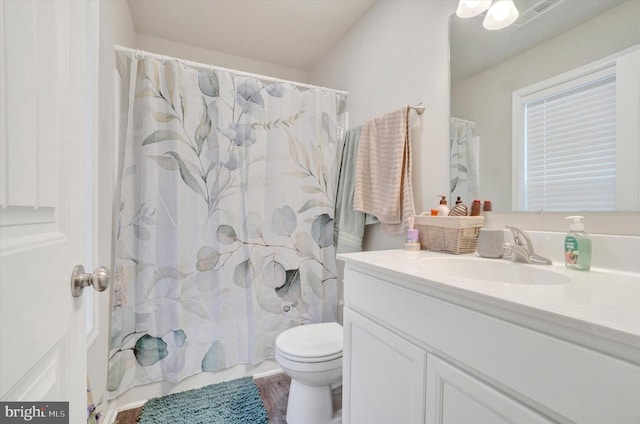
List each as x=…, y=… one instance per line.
x=549, y=38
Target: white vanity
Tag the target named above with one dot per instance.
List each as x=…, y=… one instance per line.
x=425, y=343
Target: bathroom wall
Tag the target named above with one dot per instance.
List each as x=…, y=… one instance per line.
x=398, y=54
x=196, y=54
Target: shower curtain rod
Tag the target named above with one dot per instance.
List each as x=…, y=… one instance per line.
x=205, y=67
x=473, y=124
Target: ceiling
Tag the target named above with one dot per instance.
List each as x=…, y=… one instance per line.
x=297, y=33
x=293, y=33
x=474, y=49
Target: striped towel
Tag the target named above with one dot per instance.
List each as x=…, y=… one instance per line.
x=383, y=171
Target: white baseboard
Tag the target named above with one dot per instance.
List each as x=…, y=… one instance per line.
x=268, y=373
x=109, y=417
x=130, y=405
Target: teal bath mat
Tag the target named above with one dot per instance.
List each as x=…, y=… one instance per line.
x=231, y=402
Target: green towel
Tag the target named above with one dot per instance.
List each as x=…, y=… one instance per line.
x=348, y=225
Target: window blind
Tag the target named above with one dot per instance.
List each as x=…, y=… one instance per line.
x=570, y=148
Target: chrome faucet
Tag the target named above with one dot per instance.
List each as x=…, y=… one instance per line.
x=522, y=249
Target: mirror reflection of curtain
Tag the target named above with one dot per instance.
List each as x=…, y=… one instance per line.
x=464, y=165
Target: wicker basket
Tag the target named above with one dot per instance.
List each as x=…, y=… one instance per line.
x=450, y=234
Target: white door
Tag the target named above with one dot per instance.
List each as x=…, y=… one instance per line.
x=47, y=106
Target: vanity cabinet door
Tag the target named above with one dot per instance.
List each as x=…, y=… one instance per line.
x=455, y=397
x=384, y=375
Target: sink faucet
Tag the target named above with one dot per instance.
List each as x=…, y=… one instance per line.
x=522, y=249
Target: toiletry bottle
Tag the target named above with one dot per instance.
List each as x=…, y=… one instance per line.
x=412, y=243
x=460, y=209
x=577, y=246
x=475, y=208
x=443, y=209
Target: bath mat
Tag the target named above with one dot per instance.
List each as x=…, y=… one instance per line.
x=231, y=402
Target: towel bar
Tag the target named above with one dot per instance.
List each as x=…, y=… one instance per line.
x=418, y=108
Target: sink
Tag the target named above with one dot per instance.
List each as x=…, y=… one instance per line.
x=492, y=270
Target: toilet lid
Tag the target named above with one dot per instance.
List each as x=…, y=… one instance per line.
x=311, y=341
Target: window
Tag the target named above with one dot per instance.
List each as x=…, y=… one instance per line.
x=566, y=144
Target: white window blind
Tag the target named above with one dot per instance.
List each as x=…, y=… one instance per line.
x=570, y=148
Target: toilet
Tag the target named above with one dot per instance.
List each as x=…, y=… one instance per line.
x=311, y=355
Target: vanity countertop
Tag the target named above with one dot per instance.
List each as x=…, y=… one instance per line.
x=599, y=308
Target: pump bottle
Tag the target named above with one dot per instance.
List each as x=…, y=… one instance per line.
x=443, y=209
x=577, y=246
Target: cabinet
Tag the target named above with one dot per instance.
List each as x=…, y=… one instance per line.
x=383, y=374
x=386, y=380
x=455, y=397
x=417, y=354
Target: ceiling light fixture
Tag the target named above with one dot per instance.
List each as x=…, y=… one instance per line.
x=471, y=8
x=501, y=13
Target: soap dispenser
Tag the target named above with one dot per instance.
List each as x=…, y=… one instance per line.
x=577, y=246
x=443, y=209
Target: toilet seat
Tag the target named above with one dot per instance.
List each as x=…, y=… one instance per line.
x=311, y=343
x=315, y=359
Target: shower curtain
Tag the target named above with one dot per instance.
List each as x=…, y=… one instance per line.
x=464, y=168
x=225, y=229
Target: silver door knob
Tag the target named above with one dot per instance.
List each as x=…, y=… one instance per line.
x=79, y=280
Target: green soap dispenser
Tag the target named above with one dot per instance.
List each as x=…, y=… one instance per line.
x=577, y=246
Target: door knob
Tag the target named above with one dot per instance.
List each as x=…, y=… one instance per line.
x=79, y=279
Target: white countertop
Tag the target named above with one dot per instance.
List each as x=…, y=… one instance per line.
x=599, y=307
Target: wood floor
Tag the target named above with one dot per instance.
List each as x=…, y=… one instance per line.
x=274, y=391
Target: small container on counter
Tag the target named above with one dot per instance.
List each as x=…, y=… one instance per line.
x=443, y=209
x=577, y=246
x=490, y=243
x=413, y=242
x=476, y=207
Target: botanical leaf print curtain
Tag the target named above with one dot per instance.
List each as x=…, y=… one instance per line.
x=464, y=172
x=225, y=227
